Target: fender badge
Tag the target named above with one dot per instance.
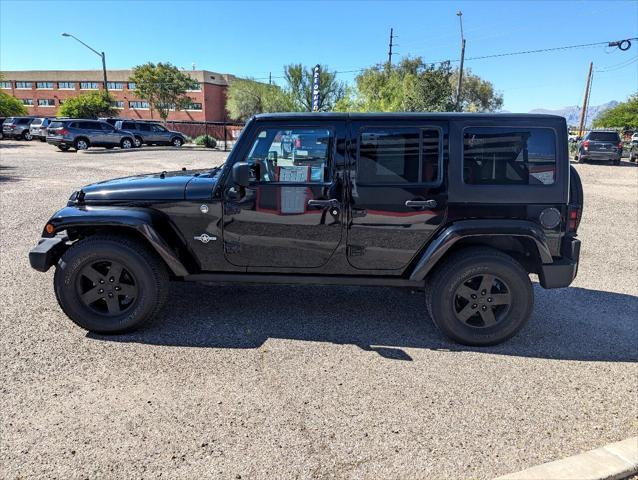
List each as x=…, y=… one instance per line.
x=205, y=238
x=203, y=208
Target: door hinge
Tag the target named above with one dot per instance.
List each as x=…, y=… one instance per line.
x=231, y=209
x=356, y=250
x=232, y=247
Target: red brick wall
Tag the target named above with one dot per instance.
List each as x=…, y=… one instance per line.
x=212, y=97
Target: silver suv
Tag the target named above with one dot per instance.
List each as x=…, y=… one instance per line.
x=17, y=127
x=38, y=128
x=151, y=133
x=82, y=134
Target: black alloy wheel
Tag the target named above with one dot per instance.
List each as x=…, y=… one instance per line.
x=106, y=287
x=482, y=301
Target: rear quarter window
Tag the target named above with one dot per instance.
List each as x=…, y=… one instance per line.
x=56, y=125
x=509, y=156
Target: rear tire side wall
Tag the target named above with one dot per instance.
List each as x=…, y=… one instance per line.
x=463, y=264
x=150, y=273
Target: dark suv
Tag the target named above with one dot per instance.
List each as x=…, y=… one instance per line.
x=82, y=134
x=465, y=206
x=600, y=145
x=151, y=133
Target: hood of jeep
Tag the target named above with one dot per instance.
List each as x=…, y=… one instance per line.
x=156, y=186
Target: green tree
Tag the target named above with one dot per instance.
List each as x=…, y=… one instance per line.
x=246, y=98
x=623, y=115
x=415, y=86
x=299, y=80
x=163, y=86
x=477, y=95
x=88, y=105
x=11, y=106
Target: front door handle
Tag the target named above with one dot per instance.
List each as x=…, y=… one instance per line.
x=332, y=203
x=421, y=203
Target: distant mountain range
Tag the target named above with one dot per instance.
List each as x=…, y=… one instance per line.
x=572, y=114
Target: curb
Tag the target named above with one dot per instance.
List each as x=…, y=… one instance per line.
x=614, y=461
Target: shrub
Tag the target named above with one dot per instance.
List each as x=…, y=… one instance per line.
x=206, y=140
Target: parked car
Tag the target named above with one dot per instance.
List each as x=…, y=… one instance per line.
x=600, y=145
x=38, y=128
x=634, y=137
x=17, y=127
x=2, y=119
x=465, y=206
x=633, y=150
x=82, y=134
x=151, y=133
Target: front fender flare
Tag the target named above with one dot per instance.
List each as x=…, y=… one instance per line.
x=139, y=219
x=478, y=228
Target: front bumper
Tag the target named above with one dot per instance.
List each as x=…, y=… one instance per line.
x=47, y=252
x=561, y=273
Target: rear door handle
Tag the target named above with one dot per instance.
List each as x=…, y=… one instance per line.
x=332, y=203
x=421, y=203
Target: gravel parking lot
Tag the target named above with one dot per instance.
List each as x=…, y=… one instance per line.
x=305, y=382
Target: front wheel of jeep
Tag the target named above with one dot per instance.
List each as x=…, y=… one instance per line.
x=110, y=284
x=480, y=297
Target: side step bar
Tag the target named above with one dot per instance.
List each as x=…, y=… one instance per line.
x=364, y=281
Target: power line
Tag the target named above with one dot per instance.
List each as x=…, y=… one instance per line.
x=618, y=66
x=495, y=55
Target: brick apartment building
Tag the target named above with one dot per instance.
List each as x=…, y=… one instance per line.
x=42, y=92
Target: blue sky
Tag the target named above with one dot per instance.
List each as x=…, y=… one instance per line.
x=255, y=38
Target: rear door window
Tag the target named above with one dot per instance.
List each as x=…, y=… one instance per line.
x=399, y=156
x=24, y=121
x=128, y=126
x=87, y=125
x=509, y=156
x=144, y=127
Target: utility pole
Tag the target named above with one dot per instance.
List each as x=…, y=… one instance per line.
x=460, y=84
x=585, y=101
x=391, y=45
x=269, y=78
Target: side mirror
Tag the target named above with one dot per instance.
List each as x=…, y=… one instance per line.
x=241, y=174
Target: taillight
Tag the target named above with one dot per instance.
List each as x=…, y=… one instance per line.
x=63, y=131
x=297, y=142
x=586, y=144
x=573, y=218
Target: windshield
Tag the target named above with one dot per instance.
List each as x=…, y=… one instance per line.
x=603, y=137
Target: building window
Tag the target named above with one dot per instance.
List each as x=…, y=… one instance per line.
x=118, y=104
x=198, y=88
x=44, y=85
x=66, y=85
x=139, y=105
x=46, y=102
x=27, y=101
x=194, y=106
x=132, y=86
x=5, y=85
x=509, y=156
x=89, y=85
x=115, y=85
x=24, y=85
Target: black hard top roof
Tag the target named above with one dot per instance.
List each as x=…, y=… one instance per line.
x=396, y=115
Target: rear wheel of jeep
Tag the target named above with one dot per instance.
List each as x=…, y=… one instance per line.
x=480, y=297
x=110, y=284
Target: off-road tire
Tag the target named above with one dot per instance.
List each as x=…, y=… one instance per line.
x=146, y=267
x=460, y=267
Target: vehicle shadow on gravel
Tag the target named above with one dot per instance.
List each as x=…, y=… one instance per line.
x=567, y=324
x=6, y=176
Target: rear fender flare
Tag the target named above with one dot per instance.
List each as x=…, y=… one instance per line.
x=438, y=247
x=139, y=219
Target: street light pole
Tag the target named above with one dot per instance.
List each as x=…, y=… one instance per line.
x=460, y=84
x=100, y=54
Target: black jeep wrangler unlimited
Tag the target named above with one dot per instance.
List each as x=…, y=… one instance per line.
x=463, y=205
